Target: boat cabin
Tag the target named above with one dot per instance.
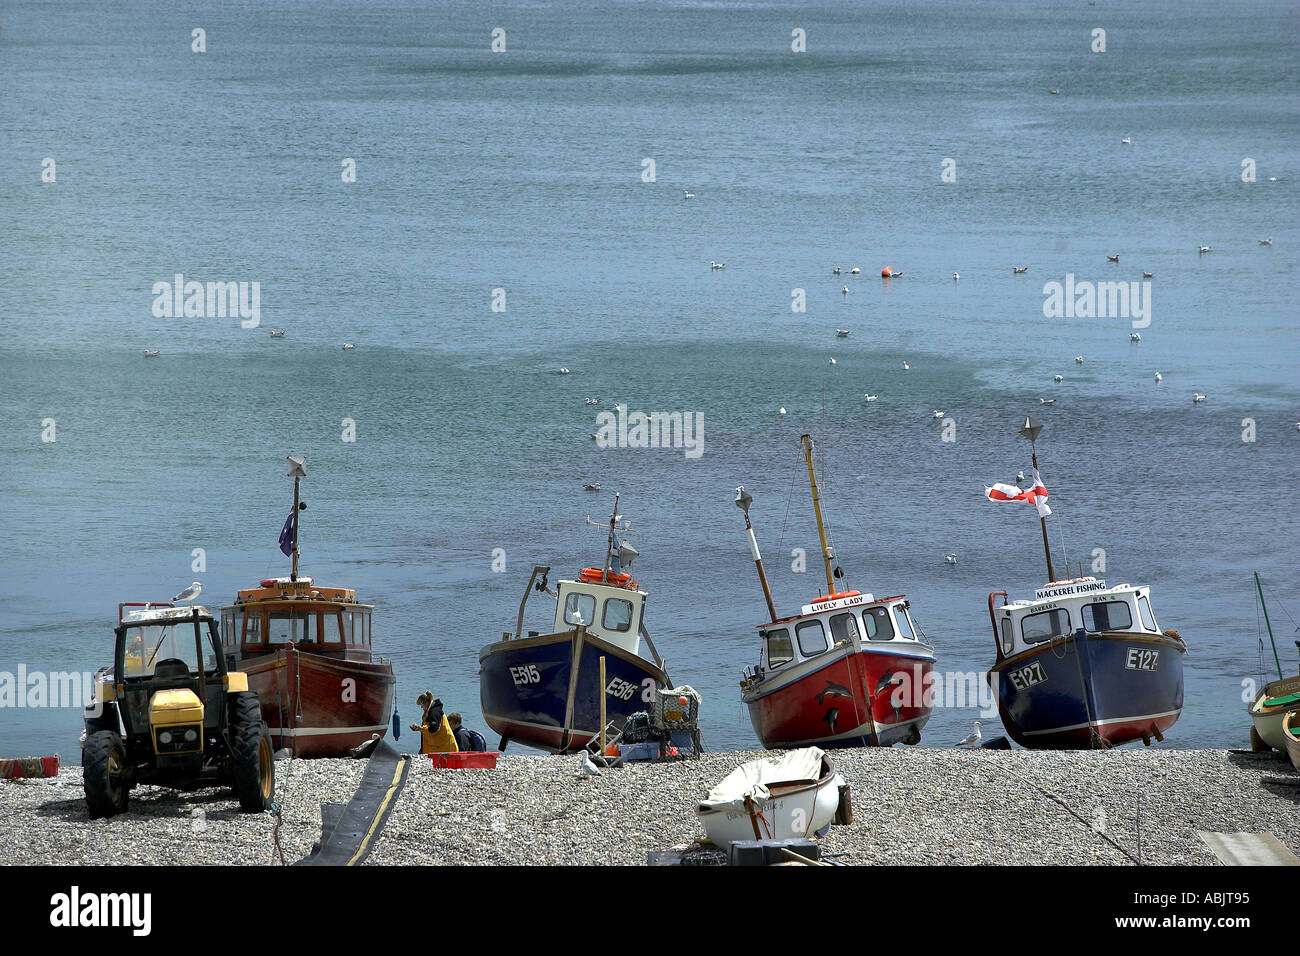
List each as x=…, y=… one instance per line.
x=283, y=612
x=1062, y=608
x=612, y=611
x=859, y=620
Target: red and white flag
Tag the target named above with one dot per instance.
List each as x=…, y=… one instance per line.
x=1037, y=495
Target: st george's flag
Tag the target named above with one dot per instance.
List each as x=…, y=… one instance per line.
x=1037, y=495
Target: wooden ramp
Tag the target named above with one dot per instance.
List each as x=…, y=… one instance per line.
x=1248, y=849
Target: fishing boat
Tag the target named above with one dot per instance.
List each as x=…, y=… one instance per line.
x=1291, y=736
x=308, y=653
x=849, y=670
x=1276, y=701
x=1083, y=665
x=795, y=795
x=545, y=690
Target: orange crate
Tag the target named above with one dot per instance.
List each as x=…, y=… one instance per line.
x=485, y=760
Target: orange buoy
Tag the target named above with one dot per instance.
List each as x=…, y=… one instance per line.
x=886, y=272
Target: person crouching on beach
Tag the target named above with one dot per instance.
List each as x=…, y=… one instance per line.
x=435, y=734
x=466, y=739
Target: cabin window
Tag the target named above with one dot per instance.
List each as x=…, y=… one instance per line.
x=1107, y=616
x=349, y=625
x=879, y=626
x=253, y=628
x=844, y=627
x=617, y=615
x=284, y=627
x=1008, y=635
x=1144, y=609
x=579, y=608
x=1045, y=625
x=332, y=627
x=904, y=625
x=363, y=627
x=779, y=649
x=812, y=638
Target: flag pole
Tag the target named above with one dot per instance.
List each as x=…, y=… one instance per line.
x=743, y=501
x=1030, y=430
x=297, y=469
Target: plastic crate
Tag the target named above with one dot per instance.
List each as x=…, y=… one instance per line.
x=482, y=760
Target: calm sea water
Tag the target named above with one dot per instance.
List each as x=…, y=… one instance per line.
x=523, y=171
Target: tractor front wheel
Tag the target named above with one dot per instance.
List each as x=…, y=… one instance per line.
x=104, y=774
x=253, y=762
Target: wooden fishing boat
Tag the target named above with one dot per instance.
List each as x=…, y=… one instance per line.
x=849, y=670
x=545, y=690
x=1291, y=732
x=1276, y=701
x=307, y=650
x=1082, y=665
x=797, y=794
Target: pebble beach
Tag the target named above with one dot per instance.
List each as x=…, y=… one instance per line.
x=937, y=807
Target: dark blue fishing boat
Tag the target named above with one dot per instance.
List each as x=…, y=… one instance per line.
x=544, y=690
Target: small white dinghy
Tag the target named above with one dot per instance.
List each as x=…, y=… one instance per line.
x=773, y=798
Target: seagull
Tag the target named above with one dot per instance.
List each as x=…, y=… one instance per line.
x=591, y=401
x=1266, y=242
x=1078, y=360
x=1019, y=270
x=1134, y=337
x=973, y=740
x=1127, y=141
x=1114, y=258
x=594, y=436
x=1159, y=378
x=1148, y=275
x=937, y=414
x=781, y=410
x=1058, y=378
x=842, y=333
x=715, y=266
x=591, y=486
x=564, y=371
x=277, y=333
x=845, y=290
x=871, y=398
x=1203, y=249
x=955, y=277
x=589, y=767
x=1020, y=477
x=1047, y=401
x=348, y=346
x=1197, y=398
x=1272, y=179
x=832, y=361
x=906, y=366
x=189, y=594
x=150, y=353
x=688, y=194
x=854, y=271
x=950, y=558
x=835, y=271
x=1054, y=92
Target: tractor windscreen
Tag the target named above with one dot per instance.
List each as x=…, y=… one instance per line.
x=150, y=645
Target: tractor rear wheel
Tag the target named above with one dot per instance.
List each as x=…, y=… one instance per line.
x=104, y=774
x=253, y=763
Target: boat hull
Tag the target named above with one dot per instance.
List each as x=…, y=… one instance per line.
x=1268, y=720
x=827, y=701
x=318, y=706
x=1093, y=691
x=545, y=691
x=790, y=813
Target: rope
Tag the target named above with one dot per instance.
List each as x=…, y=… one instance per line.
x=275, y=833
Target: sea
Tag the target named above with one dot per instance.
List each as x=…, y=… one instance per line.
x=479, y=194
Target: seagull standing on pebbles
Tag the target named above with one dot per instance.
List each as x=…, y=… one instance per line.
x=589, y=768
x=973, y=740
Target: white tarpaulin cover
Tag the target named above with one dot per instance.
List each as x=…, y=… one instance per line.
x=751, y=779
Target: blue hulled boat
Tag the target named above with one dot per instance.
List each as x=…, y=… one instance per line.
x=544, y=690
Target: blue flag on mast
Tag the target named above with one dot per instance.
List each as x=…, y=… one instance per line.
x=286, y=535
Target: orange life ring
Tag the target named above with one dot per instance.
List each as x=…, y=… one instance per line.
x=836, y=596
x=597, y=576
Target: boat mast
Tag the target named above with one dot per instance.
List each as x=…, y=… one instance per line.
x=1276, y=660
x=297, y=471
x=827, y=555
x=743, y=501
x=609, y=548
x=1030, y=430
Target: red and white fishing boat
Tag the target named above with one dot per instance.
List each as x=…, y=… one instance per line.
x=849, y=670
x=307, y=651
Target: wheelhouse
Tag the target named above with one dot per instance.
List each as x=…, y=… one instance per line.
x=859, y=621
x=612, y=612
x=1063, y=608
x=283, y=612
